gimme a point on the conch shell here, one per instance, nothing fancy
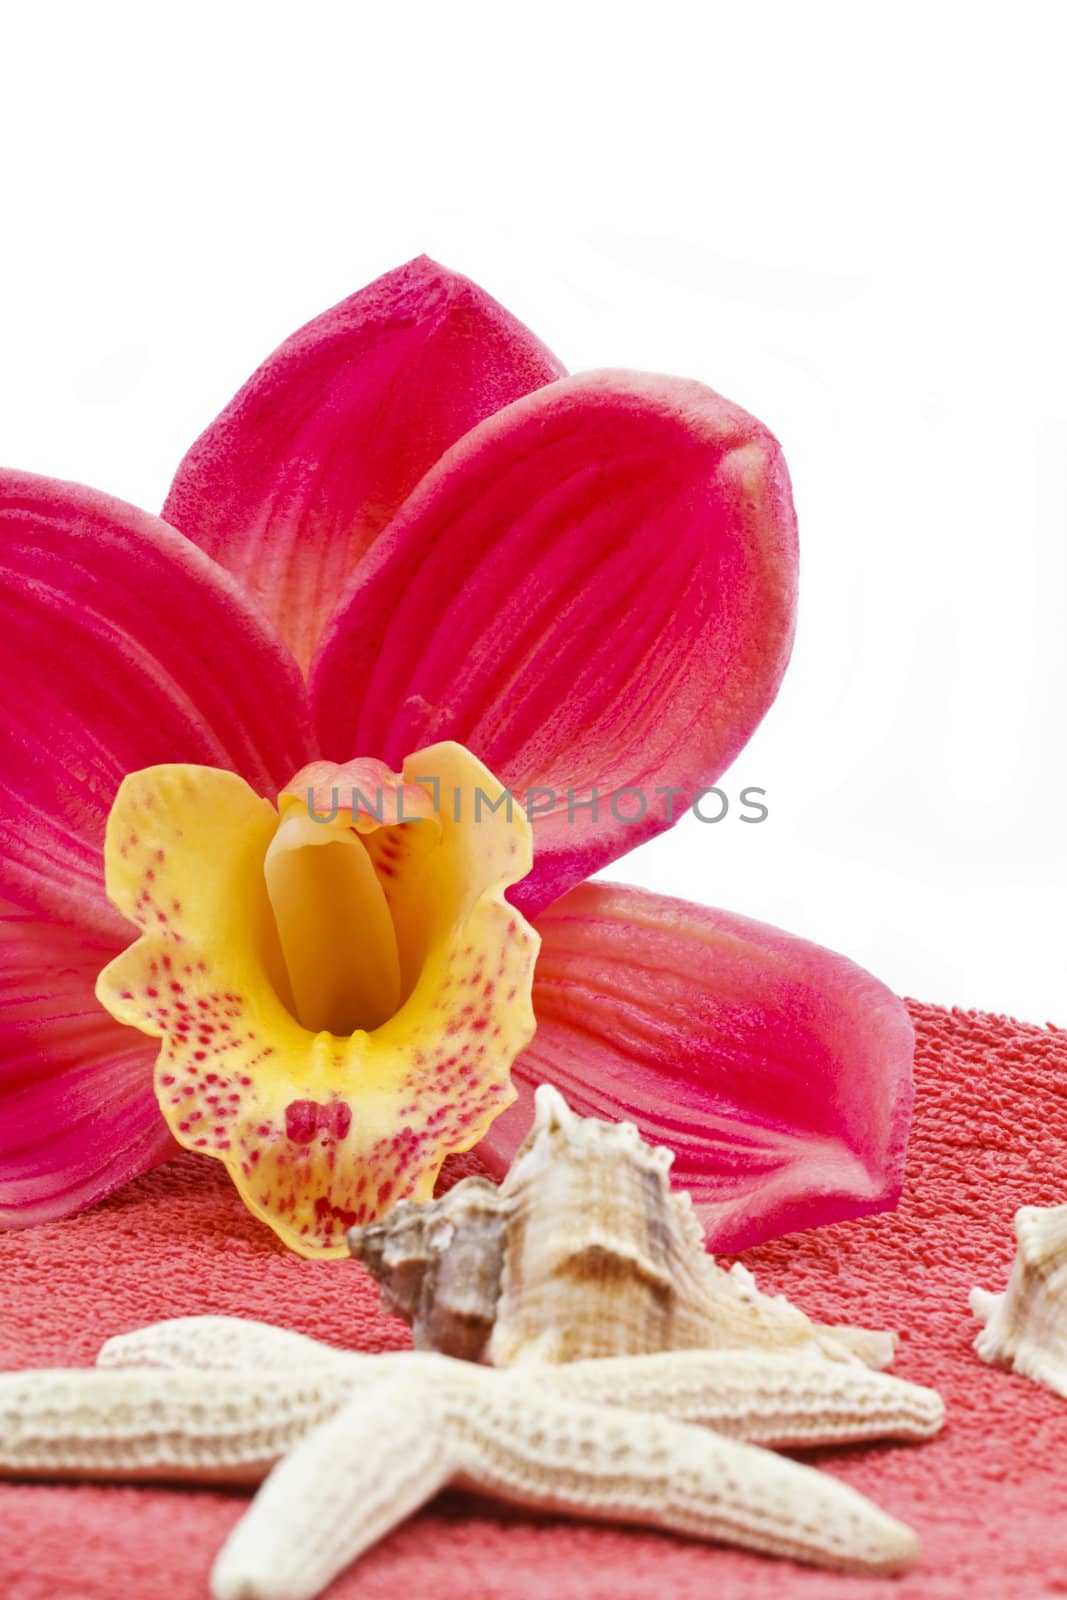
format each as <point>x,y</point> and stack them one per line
<point>582,1251</point>
<point>1026,1326</point>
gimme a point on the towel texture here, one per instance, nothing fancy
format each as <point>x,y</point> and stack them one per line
<point>988,1498</point>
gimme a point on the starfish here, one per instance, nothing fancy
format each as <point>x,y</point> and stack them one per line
<point>350,1444</point>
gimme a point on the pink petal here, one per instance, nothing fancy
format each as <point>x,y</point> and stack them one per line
<point>121,646</point>
<point>594,590</point>
<point>779,1072</point>
<point>306,465</point>
<point>78,1115</point>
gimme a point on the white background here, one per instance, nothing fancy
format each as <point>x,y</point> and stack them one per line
<point>848,219</point>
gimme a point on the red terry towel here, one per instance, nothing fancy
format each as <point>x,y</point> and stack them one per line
<point>988,1497</point>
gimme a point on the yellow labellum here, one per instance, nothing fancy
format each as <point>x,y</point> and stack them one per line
<point>340,988</point>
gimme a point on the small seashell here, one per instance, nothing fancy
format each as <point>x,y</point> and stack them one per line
<point>1026,1326</point>
<point>582,1251</point>
<point>439,1265</point>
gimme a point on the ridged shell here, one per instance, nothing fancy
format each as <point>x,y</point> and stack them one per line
<point>1026,1326</point>
<point>438,1265</point>
<point>582,1251</point>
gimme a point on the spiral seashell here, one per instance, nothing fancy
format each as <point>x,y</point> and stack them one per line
<point>582,1251</point>
<point>439,1264</point>
<point>1026,1326</point>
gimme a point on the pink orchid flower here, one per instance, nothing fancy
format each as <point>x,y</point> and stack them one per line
<point>411,544</point>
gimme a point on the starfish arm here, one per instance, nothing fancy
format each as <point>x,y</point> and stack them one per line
<point>336,1493</point>
<point>170,1425</point>
<point>220,1344</point>
<point>524,1444</point>
<point>215,1344</point>
<point>775,1399</point>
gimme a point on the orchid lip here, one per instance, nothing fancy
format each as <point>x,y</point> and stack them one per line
<point>338,1003</point>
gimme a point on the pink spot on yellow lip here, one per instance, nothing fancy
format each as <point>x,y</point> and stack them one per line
<point>301,1121</point>
<point>341,1116</point>
<point>305,1118</point>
